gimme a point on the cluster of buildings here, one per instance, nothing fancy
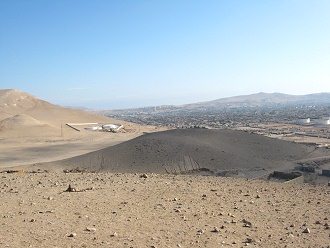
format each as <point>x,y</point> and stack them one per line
<point>114,128</point>
<point>309,121</point>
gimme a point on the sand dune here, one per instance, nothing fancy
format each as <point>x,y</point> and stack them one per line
<point>182,151</point>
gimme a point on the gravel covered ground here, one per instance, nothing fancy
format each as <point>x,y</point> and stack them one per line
<point>134,210</point>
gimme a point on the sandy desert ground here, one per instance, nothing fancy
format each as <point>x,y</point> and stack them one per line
<point>133,210</point>
<point>108,209</point>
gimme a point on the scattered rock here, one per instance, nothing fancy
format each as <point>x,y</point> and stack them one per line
<point>10,171</point>
<point>75,170</point>
<point>215,230</point>
<point>306,230</point>
<point>70,189</point>
<point>144,176</point>
<point>91,229</point>
<point>72,235</point>
<point>249,240</point>
<point>246,223</point>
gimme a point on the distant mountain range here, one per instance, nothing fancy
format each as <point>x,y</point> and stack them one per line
<point>264,99</point>
<point>254,100</point>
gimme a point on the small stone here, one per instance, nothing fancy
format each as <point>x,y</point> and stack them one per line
<point>91,229</point>
<point>50,198</point>
<point>307,230</point>
<point>317,222</point>
<point>144,176</point>
<point>215,230</point>
<point>248,240</point>
<point>72,235</point>
<point>33,220</point>
<point>200,232</point>
<point>246,223</point>
<point>114,234</point>
<point>70,189</point>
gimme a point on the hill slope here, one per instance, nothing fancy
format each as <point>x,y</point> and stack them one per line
<point>20,107</point>
<point>185,150</point>
<point>264,99</point>
<point>254,100</point>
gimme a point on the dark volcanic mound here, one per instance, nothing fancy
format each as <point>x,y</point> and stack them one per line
<point>222,152</point>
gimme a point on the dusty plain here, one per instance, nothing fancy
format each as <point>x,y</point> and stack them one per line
<point>134,210</point>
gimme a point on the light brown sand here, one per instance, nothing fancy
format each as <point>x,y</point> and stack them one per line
<point>125,210</point>
<point>34,131</point>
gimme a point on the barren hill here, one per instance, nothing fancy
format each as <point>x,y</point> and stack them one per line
<point>263,99</point>
<point>251,101</point>
<point>23,125</point>
<point>18,121</point>
<point>20,109</point>
<point>188,150</point>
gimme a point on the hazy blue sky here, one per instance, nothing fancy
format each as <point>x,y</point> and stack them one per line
<point>111,54</point>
